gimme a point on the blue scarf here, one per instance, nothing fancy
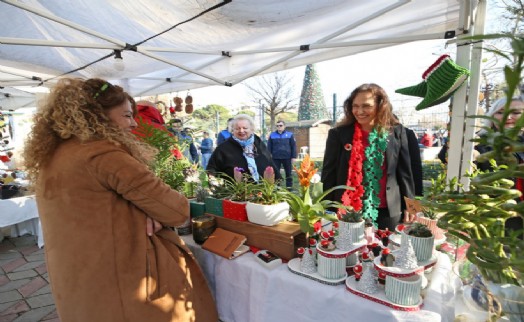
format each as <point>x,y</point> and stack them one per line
<point>249,153</point>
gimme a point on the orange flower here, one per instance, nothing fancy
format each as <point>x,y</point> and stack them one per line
<point>306,171</point>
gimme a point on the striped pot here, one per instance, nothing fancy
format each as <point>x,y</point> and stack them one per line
<point>423,246</point>
<point>354,229</point>
<point>331,265</point>
<point>352,259</point>
<point>405,290</point>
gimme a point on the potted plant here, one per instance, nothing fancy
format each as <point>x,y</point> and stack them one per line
<point>477,215</point>
<point>237,192</point>
<point>268,205</point>
<point>197,206</point>
<point>422,240</point>
<point>309,206</point>
<point>353,223</point>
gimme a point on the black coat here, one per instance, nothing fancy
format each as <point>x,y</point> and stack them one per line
<point>400,182</point>
<point>230,154</point>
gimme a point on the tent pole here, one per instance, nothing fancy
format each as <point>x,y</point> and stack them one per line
<point>460,152</point>
<point>53,43</point>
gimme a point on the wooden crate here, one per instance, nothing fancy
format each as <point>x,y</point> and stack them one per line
<point>282,239</point>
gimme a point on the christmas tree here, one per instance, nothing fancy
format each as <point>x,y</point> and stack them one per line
<point>312,105</point>
<point>406,257</point>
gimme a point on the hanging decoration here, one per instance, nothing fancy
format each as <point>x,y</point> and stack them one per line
<point>178,103</point>
<point>189,103</point>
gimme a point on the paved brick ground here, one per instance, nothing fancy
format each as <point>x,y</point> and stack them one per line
<point>25,294</point>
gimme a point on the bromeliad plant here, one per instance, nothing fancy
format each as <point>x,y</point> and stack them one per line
<point>309,206</point>
<point>267,191</point>
<point>237,188</point>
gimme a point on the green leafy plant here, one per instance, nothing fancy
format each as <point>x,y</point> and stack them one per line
<point>267,191</point>
<point>419,230</point>
<point>351,216</point>
<point>309,206</point>
<point>237,188</point>
<point>478,215</point>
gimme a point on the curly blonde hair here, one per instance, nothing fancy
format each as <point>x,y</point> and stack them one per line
<point>78,108</point>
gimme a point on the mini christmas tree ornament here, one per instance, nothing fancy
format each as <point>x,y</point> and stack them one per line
<point>406,257</point>
<point>307,264</point>
<point>368,282</point>
<point>440,81</point>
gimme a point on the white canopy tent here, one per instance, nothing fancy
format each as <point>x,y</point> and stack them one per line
<point>179,45</point>
<point>170,46</point>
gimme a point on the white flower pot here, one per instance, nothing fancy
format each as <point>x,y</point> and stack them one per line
<point>423,246</point>
<point>267,215</point>
<point>354,229</point>
<point>405,290</point>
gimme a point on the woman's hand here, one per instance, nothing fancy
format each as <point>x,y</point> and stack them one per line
<point>152,226</point>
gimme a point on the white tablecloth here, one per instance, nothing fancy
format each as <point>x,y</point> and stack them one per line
<point>245,291</point>
<point>22,214</point>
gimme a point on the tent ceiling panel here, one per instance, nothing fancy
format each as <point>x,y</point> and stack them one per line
<point>177,45</point>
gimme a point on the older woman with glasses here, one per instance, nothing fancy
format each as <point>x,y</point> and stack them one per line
<point>369,150</point>
<point>244,149</point>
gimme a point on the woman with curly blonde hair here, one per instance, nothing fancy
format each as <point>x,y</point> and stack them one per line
<point>103,211</point>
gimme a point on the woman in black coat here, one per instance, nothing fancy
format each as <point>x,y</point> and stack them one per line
<point>369,150</point>
<point>243,149</point>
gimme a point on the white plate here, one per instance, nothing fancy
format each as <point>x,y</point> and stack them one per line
<point>401,272</point>
<point>380,297</point>
<point>294,266</point>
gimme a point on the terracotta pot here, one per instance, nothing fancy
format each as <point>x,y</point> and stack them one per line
<point>432,225</point>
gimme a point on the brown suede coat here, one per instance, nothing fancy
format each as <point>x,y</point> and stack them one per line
<point>93,199</point>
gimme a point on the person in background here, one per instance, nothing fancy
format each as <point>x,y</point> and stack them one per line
<point>427,139</point>
<point>206,148</point>
<point>226,133</point>
<point>103,213</point>
<point>243,149</point>
<point>283,149</point>
<point>369,150</point>
<point>185,140</point>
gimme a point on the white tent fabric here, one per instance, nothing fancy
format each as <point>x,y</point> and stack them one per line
<point>42,40</point>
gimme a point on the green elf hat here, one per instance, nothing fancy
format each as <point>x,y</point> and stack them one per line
<point>441,80</point>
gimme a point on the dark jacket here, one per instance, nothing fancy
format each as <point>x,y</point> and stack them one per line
<point>206,146</point>
<point>230,154</point>
<point>400,181</point>
<point>416,162</point>
<point>282,145</point>
<point>223,136</point>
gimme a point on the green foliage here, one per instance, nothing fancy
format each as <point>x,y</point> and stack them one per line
<point>431,169</point>
<point>309,210</point>
<point>478,215</point>
<point>351,216</point>
<point>417,229</point>
<point>267,193</point>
